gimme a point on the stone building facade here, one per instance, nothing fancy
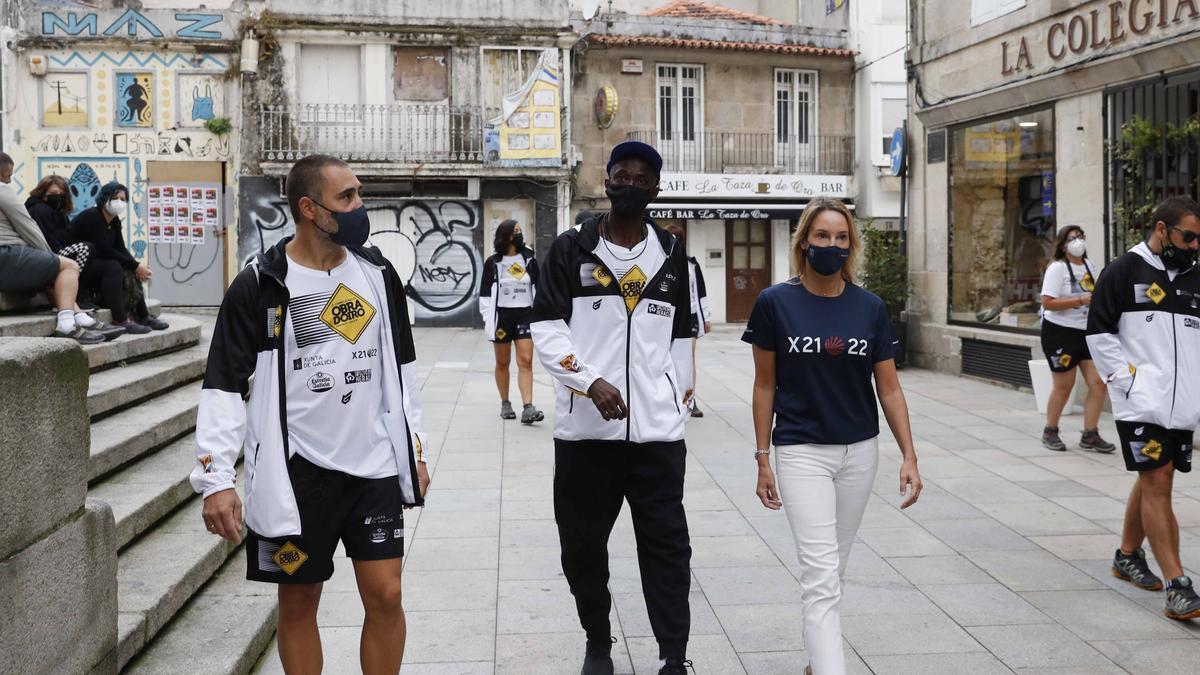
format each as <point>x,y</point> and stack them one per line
<point>1021,119</point>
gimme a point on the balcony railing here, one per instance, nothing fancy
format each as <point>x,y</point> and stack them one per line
<point>402,133</point>
<point>751,152</point>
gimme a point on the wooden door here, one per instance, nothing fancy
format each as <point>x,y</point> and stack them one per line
<point>748,269</point>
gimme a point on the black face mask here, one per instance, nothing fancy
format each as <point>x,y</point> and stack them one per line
<point>56,202</point>
<point>628,201</point>
<point>1179,259</point>
<point>518,241</point>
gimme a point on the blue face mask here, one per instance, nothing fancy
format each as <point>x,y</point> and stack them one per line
<point>827,260</point>
<point>353,226</point>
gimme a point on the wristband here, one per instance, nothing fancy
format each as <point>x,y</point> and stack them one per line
<point>761,452</point>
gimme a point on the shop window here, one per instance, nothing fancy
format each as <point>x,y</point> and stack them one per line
<point>983,11</point>
<point>1002,218</point>
<point>891,114</point>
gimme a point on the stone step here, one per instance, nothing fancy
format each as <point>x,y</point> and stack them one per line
<point>184,332</point>
<point>145,491</point>
<point>160,572</point>
<point>125,436</point>
<point>39,321</point>
<point>121,386</point>
<point>225,628</point>
<point>10,302</point>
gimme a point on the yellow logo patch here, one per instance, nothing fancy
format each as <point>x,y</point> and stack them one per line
<point>517,271</point>
<point>1087,283</point>
<point>1064,360</point>
<point>347,313</point>
<point>289,558</point>
<point>1156,293</point>
<point>501,333</point>
<point>601,275</point>
<point>632,285</point>
<point>1153,450</point>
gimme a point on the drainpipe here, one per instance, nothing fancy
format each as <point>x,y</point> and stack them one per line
<point>565,42</point>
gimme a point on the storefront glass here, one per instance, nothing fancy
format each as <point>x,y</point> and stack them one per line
<point>1002,218</point>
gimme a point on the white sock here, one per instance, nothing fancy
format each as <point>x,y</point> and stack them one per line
<point>84,320</point>
<point>66,321</point>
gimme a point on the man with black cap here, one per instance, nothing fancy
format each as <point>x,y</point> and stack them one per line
<point>612,325</point>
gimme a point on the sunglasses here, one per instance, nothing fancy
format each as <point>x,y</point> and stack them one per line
<point>1187,236</point>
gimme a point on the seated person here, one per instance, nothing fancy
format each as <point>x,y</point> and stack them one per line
<point>27,265</point>
<point>101,227</point>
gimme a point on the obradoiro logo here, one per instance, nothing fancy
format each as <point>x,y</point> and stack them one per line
<point>347,313</point>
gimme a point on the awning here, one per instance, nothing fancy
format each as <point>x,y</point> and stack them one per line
<point>727,210</point>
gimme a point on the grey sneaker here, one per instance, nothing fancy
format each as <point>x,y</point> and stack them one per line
<point>597,660</point>
<point>531,414</point>
<point>80,335</point>
<point>506,411</point>
<point>1182,601</point>
<point>1051,440</point>
<point>1090,440</point>
<point>109,332</point>
<point>1134,569</point>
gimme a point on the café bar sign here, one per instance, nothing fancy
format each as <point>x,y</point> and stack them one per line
<point>1084,33</point>
<point>751,186</point>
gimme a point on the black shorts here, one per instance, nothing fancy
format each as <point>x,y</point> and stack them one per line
<point>366,514</point>
<point>1149,446</point>
<point>1064,347</point>
<point>512,323</point>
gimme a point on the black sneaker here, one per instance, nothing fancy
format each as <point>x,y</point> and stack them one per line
<point>506,411</point>
<point>80,335</point>
<point>672,666</point>
<point>531,414</point>
<point>1134,569</point>
<point>134,328</point>
<point>1051,440</point>
<point>1090,440</point>
<point>1182,601</point>
<point>109,332</point>
<point>153,322</point>
<point>597,660</point>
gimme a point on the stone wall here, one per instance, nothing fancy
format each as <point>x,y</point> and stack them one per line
<point>58,553</point>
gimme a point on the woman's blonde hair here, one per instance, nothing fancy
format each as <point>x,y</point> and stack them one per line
<point>811,211</point>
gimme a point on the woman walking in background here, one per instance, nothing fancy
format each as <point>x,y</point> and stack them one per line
<point>701,321</point>
<point>1066,295</point>
<point>510,278</point>
<point>818,341</point>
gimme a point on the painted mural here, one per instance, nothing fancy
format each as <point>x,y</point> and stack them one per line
<point>65,101</point>
<point>102,114</point>
<point>432,243</point>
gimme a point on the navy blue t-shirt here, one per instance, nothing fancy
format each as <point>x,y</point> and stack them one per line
<point>825,353</point>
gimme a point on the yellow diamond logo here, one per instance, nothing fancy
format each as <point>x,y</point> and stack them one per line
<point>632,285</point>
<point>1064,360</point>
<point>501,334</point>
<point>600,274</point>
<point>1086,283</point>
<point>1156,293</point>
<point>289,558</point>
<point>1153,450</point>
<point>347,313</point>
<point>517,271</point>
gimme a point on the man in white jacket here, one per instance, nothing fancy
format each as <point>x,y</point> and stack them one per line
<point>334,445</point>
<point>611,324</point>
<point>1144,337</point>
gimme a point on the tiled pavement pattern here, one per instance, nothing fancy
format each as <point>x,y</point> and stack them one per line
<point>1003,566</point>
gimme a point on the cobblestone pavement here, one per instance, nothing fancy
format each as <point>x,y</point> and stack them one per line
<point>1003,566</point>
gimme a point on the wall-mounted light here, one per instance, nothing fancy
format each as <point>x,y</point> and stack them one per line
<point>249,62</point>
<point>1027,125</point>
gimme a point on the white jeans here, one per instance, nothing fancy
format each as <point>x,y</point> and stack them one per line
<point>824,489</point>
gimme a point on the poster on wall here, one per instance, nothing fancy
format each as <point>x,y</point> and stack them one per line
<point>85,176</point>
<point>64,100</point>
<point>135,100</point>
<point>528,131</point>
<point>201,97</point>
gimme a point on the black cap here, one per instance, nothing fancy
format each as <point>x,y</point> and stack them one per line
<point>627,149</point>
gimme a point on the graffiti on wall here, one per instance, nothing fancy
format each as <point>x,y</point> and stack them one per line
<point>134,24</point>
<point>201,97</point>
<point>430,242</point>
<point>64,100</point>
<point>151,145</point>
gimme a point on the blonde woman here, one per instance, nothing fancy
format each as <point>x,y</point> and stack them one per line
<point>818,341</point>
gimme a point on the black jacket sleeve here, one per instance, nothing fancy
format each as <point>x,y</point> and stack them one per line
<point>489,277</point>
<point>1104,315</point>
<point>405,346</point>
<point>532,267</point>
<point>701,289</point>
<point>683,295</point>
<point>51,222</point>
<point>233,354</point>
